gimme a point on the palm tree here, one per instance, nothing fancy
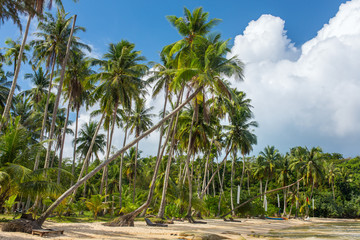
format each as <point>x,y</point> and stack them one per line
<point>50,47</point>
<point>40,80</point>
<point>271,157</point>
<point>140,119</point>
<point>4,87</point>
<point>77,86</point>
<point>284,175</point>
<point>39,6</point>
<point>11,9</point>
<point>13,51</point>
<point>120,74</point>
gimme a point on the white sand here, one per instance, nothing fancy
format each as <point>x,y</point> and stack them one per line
<point>248,228</point>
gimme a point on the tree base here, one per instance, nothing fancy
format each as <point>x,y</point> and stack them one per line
<point>21,225</point>
<point>123,221</point>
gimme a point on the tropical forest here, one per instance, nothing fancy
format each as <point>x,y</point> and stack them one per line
<point>205,166</point>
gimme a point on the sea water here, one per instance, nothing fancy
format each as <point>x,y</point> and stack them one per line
<point>347,230</point>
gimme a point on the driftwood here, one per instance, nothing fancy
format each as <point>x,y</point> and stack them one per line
<point>260,195</point>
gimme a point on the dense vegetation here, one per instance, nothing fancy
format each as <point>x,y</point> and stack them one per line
<point>206,133</point>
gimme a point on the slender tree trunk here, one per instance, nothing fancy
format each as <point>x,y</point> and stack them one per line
<point>248,183</point>
<point>214,173</point>
<point>63,142</point>
<point>129,218</point>
<point>285,202</point>
<point>187,165</point>
<point>121,167</point>
<point>103,176</point>
<point>74,154</point>
<point>135,169</point>
<point>89,152</point>
<point>297,200</point>
<point>221,188</point>
<point>5,114</point>
<point>333,189</point>
<point>242,172</point>
<point>232,182</point>
<point>168,165</point>
<point>206,167</point>
<point>43,125</point>
<point>261,187</point>
<point>59,94</point>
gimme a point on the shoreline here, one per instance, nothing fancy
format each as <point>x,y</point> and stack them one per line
<point>246,229</point>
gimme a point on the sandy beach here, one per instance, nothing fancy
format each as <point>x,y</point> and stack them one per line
<point>246,229</point>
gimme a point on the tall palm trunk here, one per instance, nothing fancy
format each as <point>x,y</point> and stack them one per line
<point>43,125</point>
<point>135,169</point>
<point>106,167</point>
<point>168,165</point>
<point>242,172</point>
<point>221,188</point>
<point>59,94</point>
<point>129,218</point>
<point>63,141</point>
<point>187,164</point>
<point>232,181</point>
<point>214,173</point>
<point>285,202</point>
<point>5,114</point>
<point>74,154</point>
<point>206,171</point>
<point>121,167</point>
<point>333,189</point>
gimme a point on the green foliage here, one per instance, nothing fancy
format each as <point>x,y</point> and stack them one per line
<point>10,203</point>
<point>95,204</point>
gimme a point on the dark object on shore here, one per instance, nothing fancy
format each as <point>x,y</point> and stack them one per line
<point>191,220</point>
<point>21,225</point>
<point>276,218</point>
<point>149,223</point>
<point>231,220</point>
<point>43,232</point>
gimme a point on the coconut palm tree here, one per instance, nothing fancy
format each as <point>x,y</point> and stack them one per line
<point>38,9</point>
<point>12,52</point>
<point>120,74</point>
<point>40,80</point>
<point>4,87</point>
<point>270,157</point>
<point>11,9</point>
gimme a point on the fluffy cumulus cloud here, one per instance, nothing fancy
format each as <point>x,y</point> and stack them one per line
<point>308,96</point>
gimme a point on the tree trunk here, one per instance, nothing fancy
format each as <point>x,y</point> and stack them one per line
<point>168,165</point>
<point>120,171</point>
<point>221,188</point>
<point>333,189</point>
<point>214,173</point>
<point>74,154</point>
<point>242,172</point>
<point>5,114</point>
<point>59,94</point>
<point>63,142</point>
<point>43,126</point>
<point>128,219</point>
<point>135,169</point>
<point>232,182</point>
<point>187,165</point>
<point>285,202</point>
<point>206,167</point>
<point>103,176</point>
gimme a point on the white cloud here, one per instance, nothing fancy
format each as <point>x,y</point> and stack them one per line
<point>308,96</point>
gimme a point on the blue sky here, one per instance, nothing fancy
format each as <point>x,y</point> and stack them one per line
<point>299,69</point>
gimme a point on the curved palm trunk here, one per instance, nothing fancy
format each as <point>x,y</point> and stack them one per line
<point>43,126</point>
<point>129,218</point>
<point>5,114</point>
<point>59,94</point>
<point>63,141</point>
<point>74,154</point>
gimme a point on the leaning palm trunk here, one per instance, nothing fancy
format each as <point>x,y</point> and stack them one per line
<point>59,94</point>
<point>63,141</point>
<point>74,154</point>
<point>16,74</point>
<point>128,219</point>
